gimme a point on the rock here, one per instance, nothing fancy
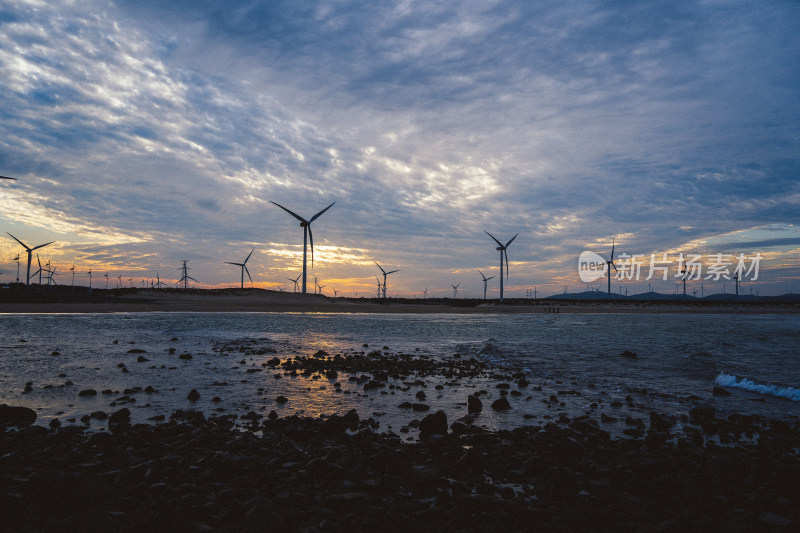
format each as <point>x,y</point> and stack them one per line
<point>136,350</point>
<point>55,423</point>
<point>123,416</point>
<point>193,395</point>
<point>185,356</point>
<point>420,407</point>
<point>142,359</point>
<point>88,392</point>
<point>474,404</point>
<point>281,399</point>
<point>150,390</point>
<point>629,354</point>
<point>420,395</point>
<point>99,415</point>
<point>719,391</point>
<point>433,424</point>
<point>16,416</point>
<point>659,422</point>
<point>272,415</point>
<point>405,405</point>
<point>501,405</point>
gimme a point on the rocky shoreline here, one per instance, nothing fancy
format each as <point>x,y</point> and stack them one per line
<point>194,473</point>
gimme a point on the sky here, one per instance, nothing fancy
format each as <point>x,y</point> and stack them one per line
<point>143,133</point>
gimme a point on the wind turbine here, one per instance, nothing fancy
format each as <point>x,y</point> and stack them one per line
<point>159,283</point>
<point>72,268</point>
<point>609,264</point>
<point>307,236</point>
<point>503,253</point>
<point>384,276</point>
<point>17,260</point>
<point>378,295</point>
<point>30,253</point>
<point>185,277</point>
<point>295,281</point>
<point>485,282</point>
<point>106,275</point>
<point>243,265</point>
<point>90,279</point>
<point>335,292</point>
<point>455,289</point>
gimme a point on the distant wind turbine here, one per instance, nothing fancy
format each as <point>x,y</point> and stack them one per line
<point>295,281</point>
<point>90,279</point>
<point>185,277</point>
<point>159,283</point>
<point>17,260</point>
<point>503,253</point>
<point>243,265</point>
<point>455,289</point>
<point>609,264</point>
<point>485,282</point>
<point>30,255</point>
<point>307,236</point>
<point>384,276</point>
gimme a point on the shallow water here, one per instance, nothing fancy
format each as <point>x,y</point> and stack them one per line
<point>575,357</point>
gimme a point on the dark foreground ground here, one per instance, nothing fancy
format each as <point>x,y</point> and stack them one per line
<point>293,474</point>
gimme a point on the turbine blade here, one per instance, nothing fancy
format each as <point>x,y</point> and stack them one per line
<point>481,273</point>
<point>612,251</point>
<point>504,252</point>
<point>7,178</point>
<point>42,245</point>
<point>392,272</point>
<point>382,270</point>
<point>315,217</point>
<point>19,241</point>
<point>248,255</point>
<point>512,240</point>
<point>500,244</point>
<point>295,215</point>
<point>615,267</point>
<point>487,279</point>
<point>248,273</point>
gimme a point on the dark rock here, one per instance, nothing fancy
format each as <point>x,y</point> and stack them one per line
<point>99,415</point>
<point>55,423</point>
<point>659,422</point>
<point>136,350</point>
<point>719,391</point>
<point>142,359</point>
<point>150,390</point>
<point>420,407</point>
<point>629,354</point>
<point>405,405</point>
<point>16,416</point>
<point>193,395</point>
<point>501,405</point>
<point>88,392</point>
<point>123,416</point>
<point>474,404</point>
<point>433,424</point>
<point>185,356</point>
<point>281,399</point>
<point>272,415</point>
<point>420,395</point>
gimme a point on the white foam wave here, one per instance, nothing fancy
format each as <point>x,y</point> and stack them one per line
<point>729,380</point>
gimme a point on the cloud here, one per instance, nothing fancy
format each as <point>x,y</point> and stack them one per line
<point>163,127</point>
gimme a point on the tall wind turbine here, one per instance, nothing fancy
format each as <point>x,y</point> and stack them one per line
<point>384,276</point>
<point>503,253</point>
<point>185,277</point>
<point>243,265</point>
<point>30,254</point>
<point>295,281</point>
<point>307,236</point>
<point>455,289</point>
<point>609,264</point>
<point>485,282</point>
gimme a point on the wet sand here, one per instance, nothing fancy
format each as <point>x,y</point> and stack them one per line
<point>63,300</point>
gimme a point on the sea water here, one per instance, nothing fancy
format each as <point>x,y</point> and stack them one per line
<point>575,359</point>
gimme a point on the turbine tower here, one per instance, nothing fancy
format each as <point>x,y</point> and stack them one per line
<point>307,236</point>
<point>503,253</point>
<point>384,276</point>
<point>30,254</point>
<point>485,282</point>
<point>609,264</point>
<point>455,289</point>
<point>243,265</point>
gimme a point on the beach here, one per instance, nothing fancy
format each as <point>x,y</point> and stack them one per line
<point>313,420</point>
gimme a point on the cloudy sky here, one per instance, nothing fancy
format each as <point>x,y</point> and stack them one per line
<point>144,133</point>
